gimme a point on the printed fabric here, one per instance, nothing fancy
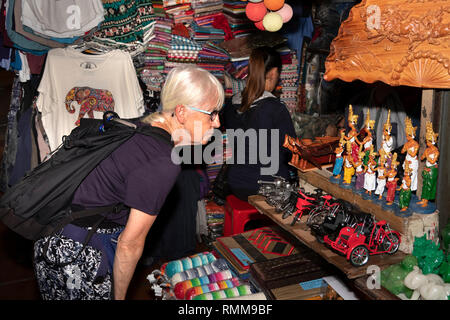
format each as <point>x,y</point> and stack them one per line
<point>125,20</point>
<point>87,277</point>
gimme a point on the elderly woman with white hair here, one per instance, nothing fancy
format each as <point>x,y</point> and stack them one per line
<point>139,174</point>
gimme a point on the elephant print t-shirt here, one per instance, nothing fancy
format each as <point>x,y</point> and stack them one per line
<point>75,85</point>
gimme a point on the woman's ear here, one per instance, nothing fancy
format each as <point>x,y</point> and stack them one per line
<point>180,113</point>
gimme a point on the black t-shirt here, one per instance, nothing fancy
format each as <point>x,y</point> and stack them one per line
<point>139,174</point>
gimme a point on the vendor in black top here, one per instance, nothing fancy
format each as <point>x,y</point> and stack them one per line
<point>264,121</point>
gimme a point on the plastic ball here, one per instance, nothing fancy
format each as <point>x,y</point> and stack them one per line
<point>286,12</point>
<point>260,25</point>
<point>272,22</point>
<point>274,5</point>
<point>255,11</point>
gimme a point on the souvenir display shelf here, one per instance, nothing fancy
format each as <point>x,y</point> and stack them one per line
<point>303,234</point>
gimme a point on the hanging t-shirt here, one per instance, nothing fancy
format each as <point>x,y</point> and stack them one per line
<point>76,85</point>
<point>62,18</point>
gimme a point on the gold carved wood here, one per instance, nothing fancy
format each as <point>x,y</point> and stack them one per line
<point>399,42</point>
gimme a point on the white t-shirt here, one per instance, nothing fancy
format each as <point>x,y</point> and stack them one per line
<point>62,18</point>
<point>87,85</point>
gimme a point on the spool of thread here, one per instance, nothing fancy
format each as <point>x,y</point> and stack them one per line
<point>220,285</point>
<point>190,262</point>
<point>238,291</point>
<point>182,287</point>
<point>213,267</point>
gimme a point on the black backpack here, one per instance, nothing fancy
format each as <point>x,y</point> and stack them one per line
<point>40,203</point>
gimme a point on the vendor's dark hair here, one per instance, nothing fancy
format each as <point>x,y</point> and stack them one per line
<point>262,60</point>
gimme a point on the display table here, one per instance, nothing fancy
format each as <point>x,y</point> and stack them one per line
<point>303,234</point>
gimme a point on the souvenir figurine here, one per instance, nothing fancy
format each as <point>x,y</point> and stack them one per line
<point>349,169</point>
<point>359,172</point>
<point>388,142</point>
<point>369,177</point>
<point>405,188</point>
<point>381,171</point>
<point>368,140</point>
<point>391,183</point>
<point>429,173</point>
<point>353,134</point>
<point>411,147</point>
<point>339,158</point>
<point>290,144</point>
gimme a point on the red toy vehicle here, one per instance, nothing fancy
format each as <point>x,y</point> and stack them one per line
<point>367,238</point>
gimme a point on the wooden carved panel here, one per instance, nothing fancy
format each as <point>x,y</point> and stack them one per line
<point>399,42</point>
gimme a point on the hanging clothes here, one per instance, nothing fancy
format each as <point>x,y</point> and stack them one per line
<point>89,86</point>
<point>173,235</point>
<point>62,18</point>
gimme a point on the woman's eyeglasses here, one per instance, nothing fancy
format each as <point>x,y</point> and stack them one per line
<point>212,114</point>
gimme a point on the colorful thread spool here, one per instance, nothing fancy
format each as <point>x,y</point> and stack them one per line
<point>182,287</point>
<point>238,291</point>
<point>190,262</point>
<point>220,285</point>
<point>213,267</point>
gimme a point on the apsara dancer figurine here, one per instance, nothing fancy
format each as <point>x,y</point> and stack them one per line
<point>381,178</point>
<point>388,142</point>
<point>370,177</point>
<point>405,188</point>
<point>359,172</point>
<point>339,158</point>
<point>429,173</point>
<point>349,169</point>
<point>353,134</point>
<point>391,183</point>
<point>411,147</point>
<point>368,140</point>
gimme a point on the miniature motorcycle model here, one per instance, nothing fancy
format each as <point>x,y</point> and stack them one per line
<point>277,192</point>
<point>365,239</point>
<point>330,218</point>
<point>303,205</point>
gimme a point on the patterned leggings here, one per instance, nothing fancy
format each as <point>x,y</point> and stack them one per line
<point>87,277</point>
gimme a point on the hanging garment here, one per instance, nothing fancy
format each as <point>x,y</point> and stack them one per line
<point>20,41</point>
<point>76,85</point>
<point>62,18</point>
<point>173,235</point>
<point>125,21</point>
<point>10,148</point>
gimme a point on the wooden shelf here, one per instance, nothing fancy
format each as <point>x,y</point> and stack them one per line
<point>303,234</point>
<point>320,179</point>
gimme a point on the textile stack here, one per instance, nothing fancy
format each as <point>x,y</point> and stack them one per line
<point>234,12</point>
<point>182,51</point>
<point>179,11</point>
<point>237,69</point>
<point>206,10</point>
<point>154,58</point>
<point>158,8</point>
<point>206,33</point>
<point>215,216</point>
<point>289,78</point>
<point>213,58</point>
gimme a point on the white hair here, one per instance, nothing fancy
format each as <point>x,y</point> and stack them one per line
<point>189,86</point>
